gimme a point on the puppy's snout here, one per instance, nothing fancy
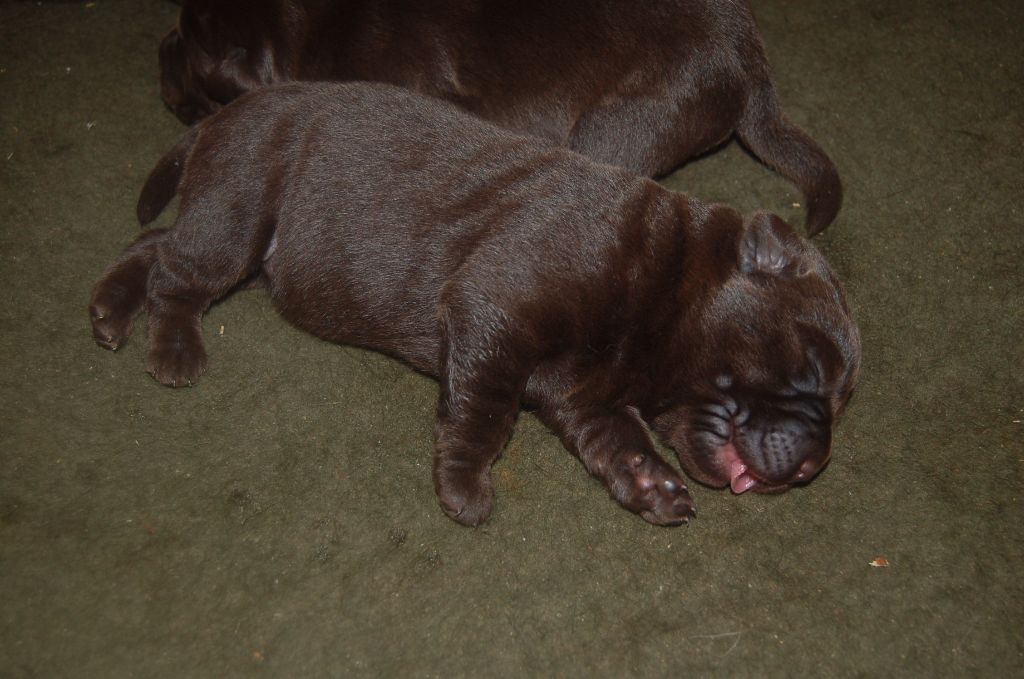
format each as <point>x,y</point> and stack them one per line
<point>785,450</point>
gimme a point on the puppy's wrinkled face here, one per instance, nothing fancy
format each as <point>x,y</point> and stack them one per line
<point>209,59</point>
<point>180,89</point>
<point>773,359</point>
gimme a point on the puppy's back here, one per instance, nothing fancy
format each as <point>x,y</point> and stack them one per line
<point>377,197</point>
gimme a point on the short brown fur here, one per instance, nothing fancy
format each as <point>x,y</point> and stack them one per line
<point>642,85</point>
<point>517,274</point>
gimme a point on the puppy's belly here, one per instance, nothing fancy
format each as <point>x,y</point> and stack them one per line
<point>359,303</point>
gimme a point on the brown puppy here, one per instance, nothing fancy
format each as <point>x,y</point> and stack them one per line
<point>643,85</point>
<point>517,274</point>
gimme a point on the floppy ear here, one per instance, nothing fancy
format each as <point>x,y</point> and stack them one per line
<point>767,245</point>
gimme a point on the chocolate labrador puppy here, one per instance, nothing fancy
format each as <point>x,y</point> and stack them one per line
<point>516,273</point>
<point>642,85</point>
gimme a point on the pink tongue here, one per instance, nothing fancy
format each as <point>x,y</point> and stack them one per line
<point>740,480</point>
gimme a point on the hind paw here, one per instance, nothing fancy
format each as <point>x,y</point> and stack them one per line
<point>177,359</point>
<point>112,316</point>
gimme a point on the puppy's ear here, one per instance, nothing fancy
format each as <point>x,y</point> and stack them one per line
<point>768,245</point>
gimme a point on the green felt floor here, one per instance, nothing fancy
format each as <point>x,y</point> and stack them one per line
<point>279,518</point>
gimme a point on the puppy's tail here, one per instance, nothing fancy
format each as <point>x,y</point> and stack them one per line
<point>162,182</point>
<point>780,144</point>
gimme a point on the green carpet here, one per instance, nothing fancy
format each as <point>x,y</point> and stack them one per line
<point>279,518</point>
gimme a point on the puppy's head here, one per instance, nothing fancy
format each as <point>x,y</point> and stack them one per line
<point>218,51</point>
<point>769,359</point>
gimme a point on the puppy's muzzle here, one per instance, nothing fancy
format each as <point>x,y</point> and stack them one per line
<point>771,452</point>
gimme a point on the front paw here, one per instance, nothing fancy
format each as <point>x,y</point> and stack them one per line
<point>647,485</point>
<point>176,358</point>
<point>466,493</point>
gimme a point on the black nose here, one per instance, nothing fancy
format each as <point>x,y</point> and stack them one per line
<point>783,450</point>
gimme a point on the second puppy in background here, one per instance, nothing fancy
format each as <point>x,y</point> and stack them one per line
<point>642,85</point>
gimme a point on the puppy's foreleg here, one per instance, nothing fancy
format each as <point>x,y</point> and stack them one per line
<point>484,367</point>
<point>616,447</point>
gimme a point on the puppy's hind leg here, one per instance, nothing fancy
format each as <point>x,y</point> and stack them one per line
<point>118,296</point>
<point>214,246</point>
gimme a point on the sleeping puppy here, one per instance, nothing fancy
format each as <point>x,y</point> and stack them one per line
<point>642,85</point>
<point>518,274</point>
